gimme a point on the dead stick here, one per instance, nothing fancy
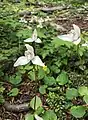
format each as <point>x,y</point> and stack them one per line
<point>16,107</point>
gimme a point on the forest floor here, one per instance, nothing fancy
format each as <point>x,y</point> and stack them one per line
<point>65,18</point>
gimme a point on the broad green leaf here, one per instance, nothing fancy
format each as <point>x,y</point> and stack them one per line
<point>36,103</point>
<point>38,117</point>
<point>55,69</point>
<point>49,81</point>
<point>42,89</point>
<point>27,67</point>
<point>14,92</point>
<point>83,90</point>
<point>2,89</point>
<point>39,110</point>
<point>15,79</point>
<point>41,73</point>
<point>50,115</point>
<point>81,50</point>
<point>58,42</point>
<point>78,111</point>
<point>31,75</point>
<point>62,79</point>
<point>29,117</point>
<point>85,98</point>
<point>71,93</point>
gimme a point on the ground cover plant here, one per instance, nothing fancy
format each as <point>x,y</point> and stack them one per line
<point>43,60</point>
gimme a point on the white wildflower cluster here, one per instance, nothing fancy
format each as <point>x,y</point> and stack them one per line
<point>73,36</point>
<point>29,55</point>
<point>36,19</point>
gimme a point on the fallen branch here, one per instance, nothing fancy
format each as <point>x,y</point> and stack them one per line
<point>16,107</point>
<point>51,9</point>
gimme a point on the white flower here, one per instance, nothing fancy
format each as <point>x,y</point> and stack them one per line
<point>29,56</point>
<point>22,20</point>
<point>73,36</point>
<point>37,117</point>
<point>34,38</point>
<point>85,44</point>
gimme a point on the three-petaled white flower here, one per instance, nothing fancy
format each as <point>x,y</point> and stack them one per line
<point>37,117</point>
<point>73,36</point>
<point>34,38</point>
<point>29,56</point>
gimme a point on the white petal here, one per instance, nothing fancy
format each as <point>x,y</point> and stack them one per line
<point>29,55</point>
<point>77,41</point>
<point>29,48</point>
<point>67,37</point>
<point>34,35</point>
<point>37,61</point>
<point>37,117</point>
<point>38,41</point>
<point>76,31</point>
<point>85,44</point>
<point>29,40</point>
<point>21,61</point>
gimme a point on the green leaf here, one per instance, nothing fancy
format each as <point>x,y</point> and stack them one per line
<point>78,111</point>
<point>41,74</point>
<point>58,42</point>
<point>81,50</point>
<point>29,117</point>
<point>31,75</point>
<point>83,90</point>
<point>71,93</point>
<point>2,89</point>
<point>14,92</point>
<point>27,67</point>
<point>39,110</point>
<point>25,33</point>
<point>50,115</point>
<point>15,79</point>
<point>2,100</point>
<point>42,89</point>
<point>85,98</point>
<point>49,81</point>
<point>62,79</point>
<point>36,103</point>
<point>55,69</point>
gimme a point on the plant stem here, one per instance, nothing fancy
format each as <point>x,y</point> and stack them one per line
<point>35,87</point>
<point>78,53</point>
<point>34,46</point>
